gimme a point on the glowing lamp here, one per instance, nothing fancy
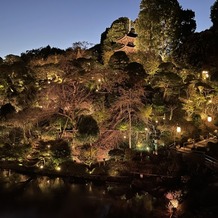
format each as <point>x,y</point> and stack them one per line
<point>205,74</point>
<point>174,203</point>
<point>209,118</point>
<point>178,129</point>
<point>147,148</point>
<point>58,168</point>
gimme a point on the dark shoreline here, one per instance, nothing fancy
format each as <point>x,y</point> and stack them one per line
<point>33,171</point>
<point>154,185</point>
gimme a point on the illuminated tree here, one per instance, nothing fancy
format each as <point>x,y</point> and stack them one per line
<point>156,25</point>
<point>198,100</point>
<point>159,26</point>
<point>169,82</point>
<point>106,83</point>
<point>148,59</point>
<point>126,107</point>
<point>17,83</point>
<point>118,29</point>
<point>74,100</point>
<point>25,120</point>
<point>119,95</point>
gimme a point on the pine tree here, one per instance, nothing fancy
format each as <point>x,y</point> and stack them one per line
<point>118,29</point>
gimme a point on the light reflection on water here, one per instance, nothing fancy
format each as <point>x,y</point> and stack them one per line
<point>44,197</point>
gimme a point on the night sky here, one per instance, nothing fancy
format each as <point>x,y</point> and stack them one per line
<point>31,24</point>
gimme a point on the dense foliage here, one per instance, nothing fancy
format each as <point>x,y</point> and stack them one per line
<point>162,26</point>
<point>71,100</point>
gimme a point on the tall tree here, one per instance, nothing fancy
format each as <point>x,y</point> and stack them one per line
<point>214,14</point>
<point>127,106</point>
<point>159,26</point>
<point>156,25</point>
<point>187,25</point>
<point>198,52</point>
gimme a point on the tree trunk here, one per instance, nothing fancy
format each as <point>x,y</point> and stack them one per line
<point>130,127</point>
<point>137,137</point>
<point>171,114</point>
<point>24,134</point>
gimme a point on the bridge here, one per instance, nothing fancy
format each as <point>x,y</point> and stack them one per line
<point>200,148</point>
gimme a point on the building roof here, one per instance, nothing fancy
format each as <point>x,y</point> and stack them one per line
<point>127,49</point>
<point>126,39</point>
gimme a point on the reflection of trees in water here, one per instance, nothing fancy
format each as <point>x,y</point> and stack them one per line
<point>43,185</point>
<point>57,198</point>
<point>8,176</point>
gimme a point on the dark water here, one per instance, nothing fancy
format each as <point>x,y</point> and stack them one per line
<point>43,197</point>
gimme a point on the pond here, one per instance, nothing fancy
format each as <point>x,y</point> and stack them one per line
<point>44,197</point>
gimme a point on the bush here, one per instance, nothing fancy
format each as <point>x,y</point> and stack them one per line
<point>87,126</point>
<point>60,149</point>
<point>8,151</point>
<point>116,154</point>
<point>15,136</point>
<point>129,154</point>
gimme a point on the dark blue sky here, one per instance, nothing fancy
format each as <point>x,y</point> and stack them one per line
<point>31,24</point>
